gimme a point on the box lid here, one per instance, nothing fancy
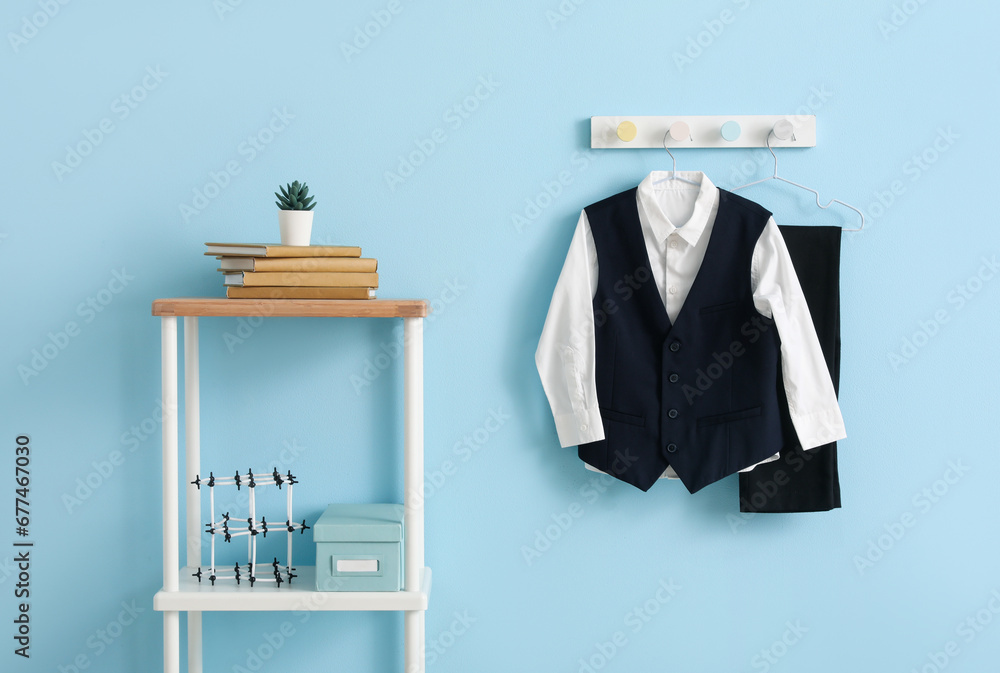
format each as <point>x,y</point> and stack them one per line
<point>360,523</point>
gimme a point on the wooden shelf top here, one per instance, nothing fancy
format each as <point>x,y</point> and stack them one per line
<point>291,308</point>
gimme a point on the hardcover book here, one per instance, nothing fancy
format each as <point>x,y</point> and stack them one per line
<point>304,279</point>
<point>274,250</point>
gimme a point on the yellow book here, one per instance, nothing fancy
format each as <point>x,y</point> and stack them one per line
<point>343,264</point>
<point>300,292</point>
<point>304,279</point>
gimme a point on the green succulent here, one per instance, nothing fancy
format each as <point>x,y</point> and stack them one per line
<point>295,197</point>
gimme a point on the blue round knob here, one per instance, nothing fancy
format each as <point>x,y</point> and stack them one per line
<point>731,131</point>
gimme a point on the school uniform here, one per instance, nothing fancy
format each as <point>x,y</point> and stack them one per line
<point>676,314</point>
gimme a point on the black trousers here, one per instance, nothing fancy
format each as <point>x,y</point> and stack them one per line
<point>805,481</point>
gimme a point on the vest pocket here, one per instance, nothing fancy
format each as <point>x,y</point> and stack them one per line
<point>719,307</point>
<point>612,415</point>
<point>729,417</point>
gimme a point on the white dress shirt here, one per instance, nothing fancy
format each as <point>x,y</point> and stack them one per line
<point>677,221</point>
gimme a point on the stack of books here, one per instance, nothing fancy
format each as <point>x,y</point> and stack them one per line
<point>260,271</point>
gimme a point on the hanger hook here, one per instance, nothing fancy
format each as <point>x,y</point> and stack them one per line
<point>771,150</point>
<point>672,157</point>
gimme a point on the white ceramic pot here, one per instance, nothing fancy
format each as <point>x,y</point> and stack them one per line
<point>296,226</point>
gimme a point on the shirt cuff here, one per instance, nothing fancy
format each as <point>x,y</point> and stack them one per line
<point>579,428</point>
<point>819,427</point>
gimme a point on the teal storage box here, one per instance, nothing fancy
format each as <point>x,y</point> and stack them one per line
<point>359,548</point>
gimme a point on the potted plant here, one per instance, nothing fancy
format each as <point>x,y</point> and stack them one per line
<point>295,217</point>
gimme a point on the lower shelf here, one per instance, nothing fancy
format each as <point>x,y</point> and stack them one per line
<point>226,595</point>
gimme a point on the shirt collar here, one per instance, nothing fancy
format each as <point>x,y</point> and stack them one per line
<point>706,203</point>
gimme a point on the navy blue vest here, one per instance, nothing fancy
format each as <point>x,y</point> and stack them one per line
<point>700,394</point>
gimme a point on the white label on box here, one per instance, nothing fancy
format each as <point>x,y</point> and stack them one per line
<point>357,565</point>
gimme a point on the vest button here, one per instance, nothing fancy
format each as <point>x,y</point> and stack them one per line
<point>671,448</point>
<point>674,378</point>
<point>675,346</point>
<point>672,413</point>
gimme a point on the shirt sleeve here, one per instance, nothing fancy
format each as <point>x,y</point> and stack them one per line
<point>566,352</point>
<point>812,400</point>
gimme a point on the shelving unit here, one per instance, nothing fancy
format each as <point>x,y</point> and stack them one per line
<point>183,593</point>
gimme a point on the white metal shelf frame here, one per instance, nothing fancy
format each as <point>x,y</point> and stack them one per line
<point>179,594</point>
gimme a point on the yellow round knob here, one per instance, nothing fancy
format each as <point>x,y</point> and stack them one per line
<point>626,132</point>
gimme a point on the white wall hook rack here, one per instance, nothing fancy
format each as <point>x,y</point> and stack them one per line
<point>712,131</point>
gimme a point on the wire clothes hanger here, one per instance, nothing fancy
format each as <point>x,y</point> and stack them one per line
<point>682,129</point>
<point>795,184</point>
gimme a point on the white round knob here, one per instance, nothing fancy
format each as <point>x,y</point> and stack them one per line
<point>783,130</point>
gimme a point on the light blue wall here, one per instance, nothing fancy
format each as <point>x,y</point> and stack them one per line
<point>882,94</point>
